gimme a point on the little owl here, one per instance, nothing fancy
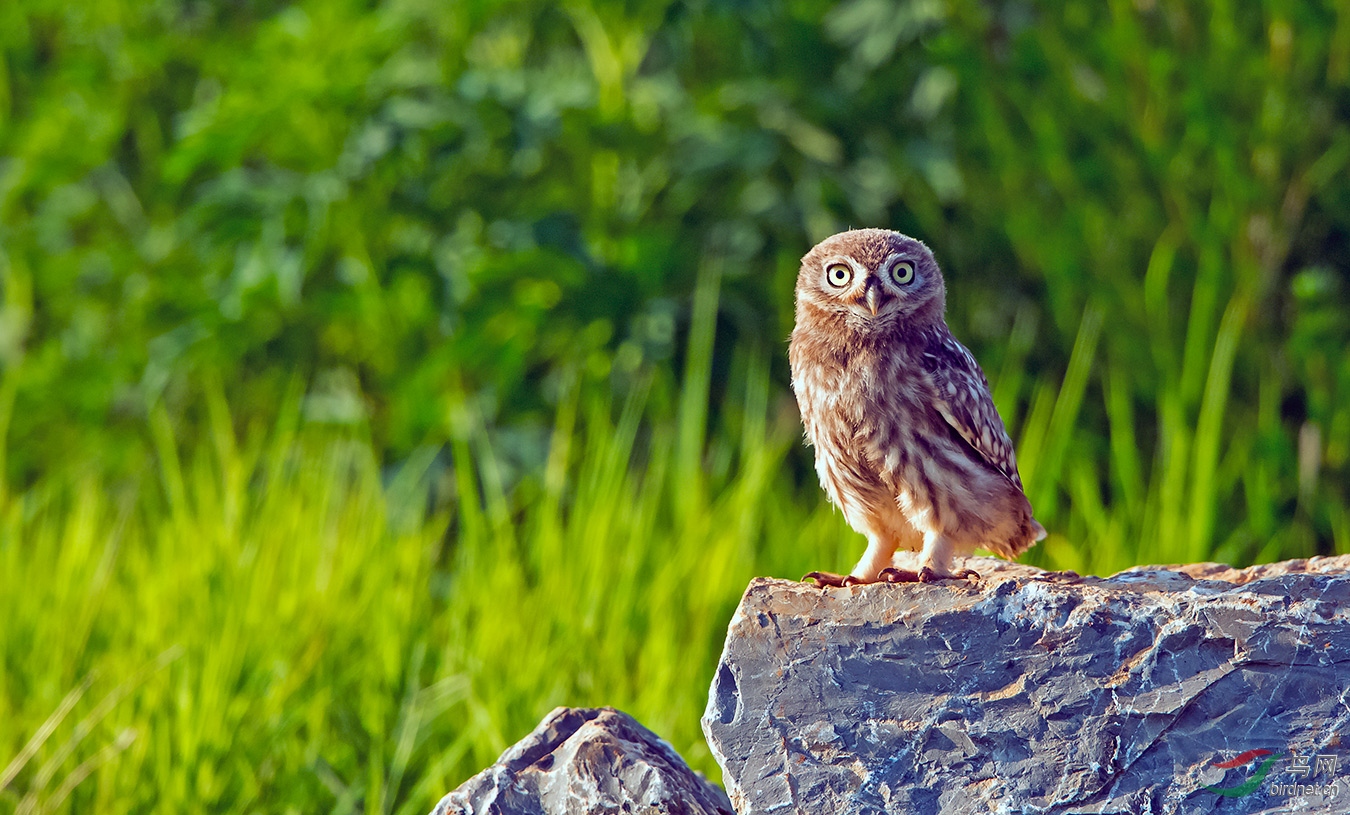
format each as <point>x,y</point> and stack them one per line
<point>908,442</point>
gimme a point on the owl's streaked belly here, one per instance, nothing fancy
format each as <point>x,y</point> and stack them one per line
<point>879,447</point>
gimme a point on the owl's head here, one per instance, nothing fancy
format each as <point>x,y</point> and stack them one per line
<point>873,278</point>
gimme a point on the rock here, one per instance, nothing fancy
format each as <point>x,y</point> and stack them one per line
<point>1027,692</point>
<point>587,760</point>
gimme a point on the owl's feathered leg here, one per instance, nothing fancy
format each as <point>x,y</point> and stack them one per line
<point>880,548</point>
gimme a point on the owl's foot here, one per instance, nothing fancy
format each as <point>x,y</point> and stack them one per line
<point>824,579</point>
<point>924,575</point>
<point>927,575</point>
<point>888,575</point>
<point>894,575</point>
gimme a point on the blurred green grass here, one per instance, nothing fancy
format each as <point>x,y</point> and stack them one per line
<point>375,377</point>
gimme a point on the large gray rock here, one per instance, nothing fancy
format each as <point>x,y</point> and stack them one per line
<point>587,760</point>
<point>1027,693</point>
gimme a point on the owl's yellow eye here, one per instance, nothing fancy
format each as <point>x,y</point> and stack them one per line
<point>839,274</point>
<point>902,272</point>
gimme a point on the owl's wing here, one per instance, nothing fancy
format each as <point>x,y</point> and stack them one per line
<point>963,399</point>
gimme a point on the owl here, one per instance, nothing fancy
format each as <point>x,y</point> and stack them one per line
<point>907,441</point>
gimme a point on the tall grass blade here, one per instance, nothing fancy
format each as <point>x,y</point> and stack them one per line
<point>1209,427</point>
<point>693,405</point>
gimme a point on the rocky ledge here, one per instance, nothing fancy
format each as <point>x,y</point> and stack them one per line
<point>587,760</point>
<point>1165,689</point>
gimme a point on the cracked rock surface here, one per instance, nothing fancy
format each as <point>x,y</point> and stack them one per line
<point>1027,693</point>
<point>587,760</point>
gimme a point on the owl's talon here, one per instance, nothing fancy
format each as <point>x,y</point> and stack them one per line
<point>894,575</point>
<point>965,574</point>
<point>824,579</point>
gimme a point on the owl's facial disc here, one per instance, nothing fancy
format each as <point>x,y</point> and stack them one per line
<point>874,279</point>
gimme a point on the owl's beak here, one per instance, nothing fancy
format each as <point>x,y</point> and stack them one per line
<point>875,297</point>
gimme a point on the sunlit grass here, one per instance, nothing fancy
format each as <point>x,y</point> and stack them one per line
<point>272,625</point>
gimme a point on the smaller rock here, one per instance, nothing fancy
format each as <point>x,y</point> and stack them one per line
<point>587,760</point>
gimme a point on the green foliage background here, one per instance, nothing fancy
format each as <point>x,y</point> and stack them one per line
<point>376,376</point>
